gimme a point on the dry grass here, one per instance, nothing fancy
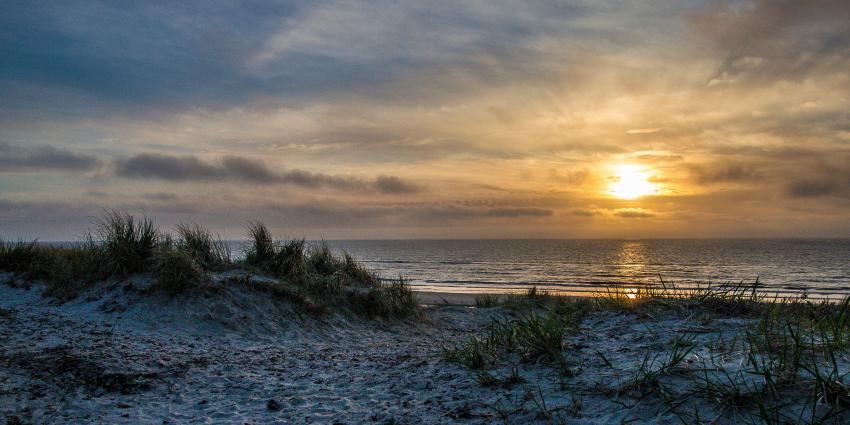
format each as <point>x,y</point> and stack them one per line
<point>122,245</point>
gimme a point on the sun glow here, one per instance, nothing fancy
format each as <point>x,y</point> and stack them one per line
<point>631,182</point>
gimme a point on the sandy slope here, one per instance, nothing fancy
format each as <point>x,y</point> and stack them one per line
<point>124,360</point>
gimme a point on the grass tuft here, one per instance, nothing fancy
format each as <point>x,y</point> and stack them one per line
<point>487,301</point>
<point>176,272</point>
<point>128,243</point>
<point>18,257</point>
<point>391,298</point>
<point>262,251</point>
<point>198,243</point>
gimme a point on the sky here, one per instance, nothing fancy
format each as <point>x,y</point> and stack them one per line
<point>434,119</point>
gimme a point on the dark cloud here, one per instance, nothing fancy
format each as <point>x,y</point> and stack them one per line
<point>308,179</point>
<point>821,179</point>
<point>732,173</point>
<point>44,158</point>
<point>518,212</point>
<point>780,38</point>
<point>235,168</point>
<point>248,169</point>
<point>170,168</point>
<point>391,184</point>
<point>583,213</point>
<point>816,188</point>
<point>633,213</point>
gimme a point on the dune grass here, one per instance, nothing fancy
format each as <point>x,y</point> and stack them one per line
<point>789,365</point>
<point>128,244</point>
<point>536,335</point>
<point>121,245</point>
<point>329,279</point>
<point>18,257</point>
<point>210,253</point>
<point>176,272</point>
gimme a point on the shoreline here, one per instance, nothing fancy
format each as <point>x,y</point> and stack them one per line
<point>426,297</point>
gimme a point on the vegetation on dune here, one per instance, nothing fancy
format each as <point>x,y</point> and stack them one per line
<point>128,244</point>
<point>176,272</point>
<point>198,243</point>
<point>122,245</point>
<point>537,334</point>
<point>788,362</point>
<point>328,279</point>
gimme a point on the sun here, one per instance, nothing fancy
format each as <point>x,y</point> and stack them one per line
<point>631,182</point>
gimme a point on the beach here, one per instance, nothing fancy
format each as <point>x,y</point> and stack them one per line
<point>227,355</point>
<point>141,327</point>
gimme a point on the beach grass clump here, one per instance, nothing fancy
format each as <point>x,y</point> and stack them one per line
<point>356,272</point>
<point>290,260</point>
<point>261,253</point>
<point>536,336</point>
<point>18,257</point>
<point>285,259</point>
<point>532,298</point>
<point>67,269</point>
<point>321,260</point>
<point>487,301</point>
<point>61,268</point>
<point>387,298</point>
<point>128,243</point>
<point>540,336</point>
<point>476,353</point>
<point>176,272</point>
<point>210,253</point>
<point>329,279</point>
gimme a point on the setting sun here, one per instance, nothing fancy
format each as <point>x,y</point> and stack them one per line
<point>630,182</point>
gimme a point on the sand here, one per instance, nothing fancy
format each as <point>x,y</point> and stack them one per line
<point>115,356</point>
<point>120,360</point>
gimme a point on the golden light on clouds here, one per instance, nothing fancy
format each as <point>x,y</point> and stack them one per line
<point>597,119</point>
<point>631,182</point>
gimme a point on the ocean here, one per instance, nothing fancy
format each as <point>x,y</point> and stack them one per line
<point>817,268</point>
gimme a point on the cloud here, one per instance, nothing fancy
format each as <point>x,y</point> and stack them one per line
<point>44,158</point>
<point>392,184</point>
<point>770,38</point>
<point>821,178</point>
<point>633,213</point>
<point>816,188</point>
<point>583,213</point>
<point>517,212</point>
<point>240,169</point>
<point>171,168</point>
<point>725,173</point>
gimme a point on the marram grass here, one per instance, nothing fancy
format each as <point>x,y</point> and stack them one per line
<point>121,245</point>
